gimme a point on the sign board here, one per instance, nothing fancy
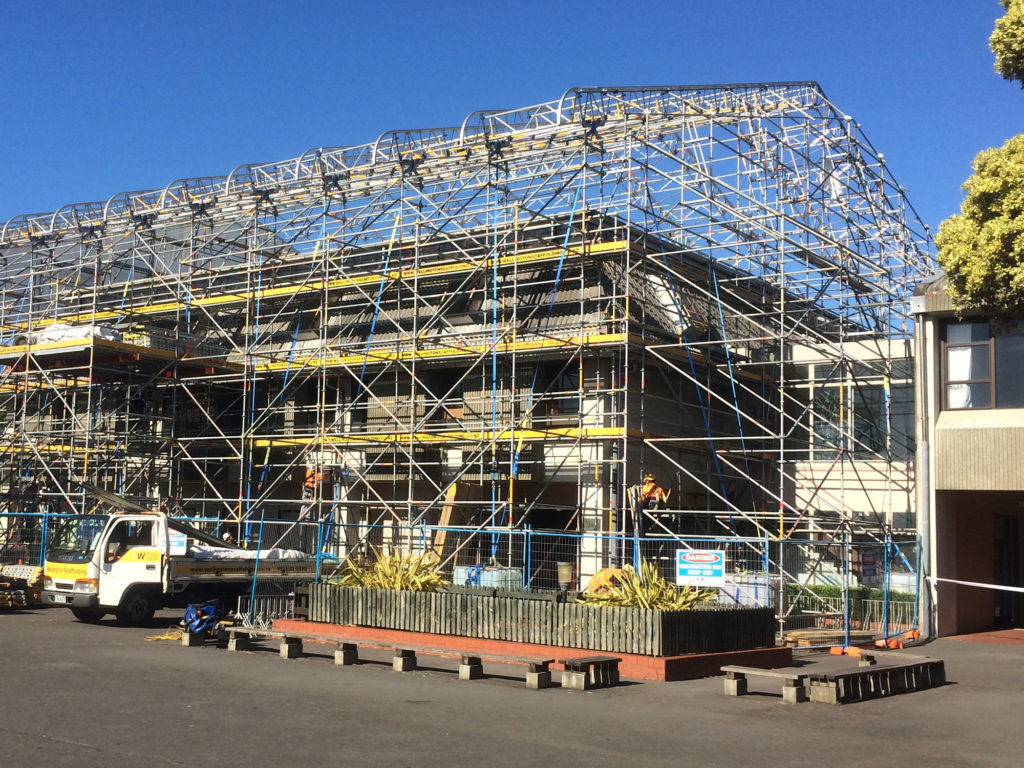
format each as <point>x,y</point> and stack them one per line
<point>868,569</point>
<point>177,543</point>
<point>700,567</point>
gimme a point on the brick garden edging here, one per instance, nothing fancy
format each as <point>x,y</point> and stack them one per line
<point>633,666</point>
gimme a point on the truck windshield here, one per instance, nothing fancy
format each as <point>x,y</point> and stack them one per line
<point>78,534</point>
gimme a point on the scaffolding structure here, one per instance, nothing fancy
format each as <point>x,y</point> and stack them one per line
<point>501,325</point>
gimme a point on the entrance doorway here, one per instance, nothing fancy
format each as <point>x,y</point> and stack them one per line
<point>1006,559</point>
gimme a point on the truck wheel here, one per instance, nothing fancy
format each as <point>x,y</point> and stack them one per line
<point>88,615</point>
<point>137,608</point>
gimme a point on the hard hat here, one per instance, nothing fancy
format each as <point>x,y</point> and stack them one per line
<point>648,477</point>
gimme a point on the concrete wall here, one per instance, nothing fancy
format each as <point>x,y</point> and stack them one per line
<point>981,450</point>
<point>872,491</point>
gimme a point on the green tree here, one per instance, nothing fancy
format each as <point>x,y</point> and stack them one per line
<point>1007,41</point>
<point>982,248</point>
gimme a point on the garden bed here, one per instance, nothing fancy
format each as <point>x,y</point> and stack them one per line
<point>545,622</point>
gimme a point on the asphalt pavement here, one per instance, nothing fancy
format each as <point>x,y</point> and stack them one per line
<point>74,694</point>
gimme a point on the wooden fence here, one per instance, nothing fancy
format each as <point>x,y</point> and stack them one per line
<point>546,622</point>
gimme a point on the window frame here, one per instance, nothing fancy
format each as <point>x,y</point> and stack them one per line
<point>852,388</point>
<point>989,343</point>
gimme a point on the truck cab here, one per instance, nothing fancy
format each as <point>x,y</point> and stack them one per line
<point>131,563</point>
<point>100,564</point>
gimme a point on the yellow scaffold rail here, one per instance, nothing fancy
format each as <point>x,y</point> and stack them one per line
<point>61,448</point>
<point>449,436</point>
<point>316,286</point>
<point>371,438</point>
<point>443,353</point>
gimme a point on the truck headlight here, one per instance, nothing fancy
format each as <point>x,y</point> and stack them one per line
<point>47,582</point>
<point>89,586</point>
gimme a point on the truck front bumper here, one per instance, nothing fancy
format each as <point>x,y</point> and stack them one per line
<point>70,599</point>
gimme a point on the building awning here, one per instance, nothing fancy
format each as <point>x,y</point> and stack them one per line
<point>931,296</point>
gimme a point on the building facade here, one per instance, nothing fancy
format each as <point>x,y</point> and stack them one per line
<point>970,455</point>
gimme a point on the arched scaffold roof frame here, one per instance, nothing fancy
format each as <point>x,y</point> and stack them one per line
<point>574,104</point>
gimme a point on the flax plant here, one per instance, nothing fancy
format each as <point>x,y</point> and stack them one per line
<point>410,572</point>
<point>647,589</point>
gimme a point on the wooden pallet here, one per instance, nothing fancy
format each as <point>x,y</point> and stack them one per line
<point>814,637</point>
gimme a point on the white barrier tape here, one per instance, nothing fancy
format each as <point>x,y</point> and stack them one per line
<point>978,584</point>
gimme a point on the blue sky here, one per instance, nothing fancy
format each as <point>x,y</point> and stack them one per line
<point>107,97</point>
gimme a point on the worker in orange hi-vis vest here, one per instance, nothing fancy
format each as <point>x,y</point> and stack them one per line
<point>311,486</point>
<point>647,495</point>
<point>652,495</point>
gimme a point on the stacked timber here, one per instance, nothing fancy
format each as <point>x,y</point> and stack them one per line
<point>20,586</point>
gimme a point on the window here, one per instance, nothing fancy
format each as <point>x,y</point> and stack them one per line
<point>982,371</point>
<point>557,385</point>
<point>901,419</point>
<point>1010,369</point>
<point>865,413</point>
<point>869,421</point>
<point>79,533</point>
<point>129,534</point>
<point>967,364</point>
<point>827,436</point>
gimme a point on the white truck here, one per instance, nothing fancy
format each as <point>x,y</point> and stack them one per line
<point>130,564</point>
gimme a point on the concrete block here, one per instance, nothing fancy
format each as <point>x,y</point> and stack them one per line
<point>404,663</point>
<point>238,642</point>
<point>577,681</point>
<point>346,655</point>
<point>824,692</point>
<point>537,680</point>
<point>189,640</point>
<point>736,686</point>
<point>291,647</point>
<point>471,671</point>
<point>793,694</point>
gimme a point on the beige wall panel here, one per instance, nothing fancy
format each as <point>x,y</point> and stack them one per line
<point>980,450</point>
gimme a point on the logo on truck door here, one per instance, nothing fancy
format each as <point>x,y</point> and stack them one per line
<point>142,555</point>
